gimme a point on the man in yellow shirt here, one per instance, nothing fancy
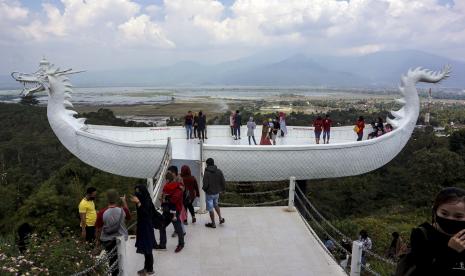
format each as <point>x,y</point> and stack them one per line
<point>88,215</point>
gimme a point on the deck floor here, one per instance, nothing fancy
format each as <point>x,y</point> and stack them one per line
<point>253,241</point>
<point>190,149</point>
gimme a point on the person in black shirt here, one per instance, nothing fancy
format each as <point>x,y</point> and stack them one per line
<point>439,248</point>
<point>201,126</point>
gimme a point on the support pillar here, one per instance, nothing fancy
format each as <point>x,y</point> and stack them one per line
<point>202,196</point>
<point>356,264</point>
<point>302,184</point>
<point>122,258</point>
<point>290,205</point>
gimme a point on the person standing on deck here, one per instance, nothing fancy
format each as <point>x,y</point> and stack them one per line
<point>282,123</point>
<point>88,215</point>
<point>326,129</point>
<point>202,126</point>
<point>213,185</point>
<point>318,127</point>
<point>359,126</point>
<point>231,123</point>
<point>265,139</point>
<point>237,125</point>
<point>188,122</point>
<point>251,125</point>
<point>275,130</point>
<point>196,124</point>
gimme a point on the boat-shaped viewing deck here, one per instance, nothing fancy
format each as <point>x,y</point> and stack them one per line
<point>253,241</point>
<point>189,149</point>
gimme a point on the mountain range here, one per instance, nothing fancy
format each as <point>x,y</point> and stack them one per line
<point>381,69</point>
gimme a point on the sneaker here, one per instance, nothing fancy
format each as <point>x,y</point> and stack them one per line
<point>174,234</point>
<point>178,248</point>
<point>194,220</point>
<point>185,222</point>
<point>221,220</point>
<point>160,248</point>
<point>150,273</point>
<point>210,225</point>
<point>141,272</point>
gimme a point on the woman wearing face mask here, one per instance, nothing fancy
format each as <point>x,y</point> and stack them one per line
<point>439,248</point>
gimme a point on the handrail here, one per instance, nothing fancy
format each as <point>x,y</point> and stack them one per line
<point>159,176</point>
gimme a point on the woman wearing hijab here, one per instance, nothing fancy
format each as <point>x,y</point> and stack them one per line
<point>282,123</point>
<point>145,237</point>
<point>191,191</point>
<point>265,139</point>
<point>250,130</point>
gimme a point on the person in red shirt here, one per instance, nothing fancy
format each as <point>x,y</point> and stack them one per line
<point>326,129</point>
<point>191,191</point>
<point>173,193</point>
<point>318,127</point>
<point>188,123</point>
<point>110,224</point>
<point>360,124</point>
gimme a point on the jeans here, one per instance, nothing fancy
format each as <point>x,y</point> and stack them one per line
<point>108,246</point>
<point>178,228</point>
<point>237,132</point>
<point>360,136</point>
<point>212,201</point>
<point>189,131</point>
<point>201,133</point>
<point>253,137</point>
<point>325,134</point>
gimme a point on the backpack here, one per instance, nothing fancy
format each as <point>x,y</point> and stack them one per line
<point>406,265</point>
<point>113,228</point>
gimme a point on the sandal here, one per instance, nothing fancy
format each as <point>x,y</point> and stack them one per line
<point>210,225</point>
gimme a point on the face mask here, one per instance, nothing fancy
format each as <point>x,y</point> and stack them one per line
<point>91,197</point>
<point>450,226</point>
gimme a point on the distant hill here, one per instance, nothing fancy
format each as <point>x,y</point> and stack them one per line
<point>381,69</point>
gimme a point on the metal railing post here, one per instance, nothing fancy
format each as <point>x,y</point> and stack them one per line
<point>290,205</point>
<point>356,264</point>
<point>121,251</point>
<point>202,199</point>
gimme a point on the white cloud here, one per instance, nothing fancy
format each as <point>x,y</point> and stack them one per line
<point>12,10</point>
<point>140,30</point>
<point>193,29</point>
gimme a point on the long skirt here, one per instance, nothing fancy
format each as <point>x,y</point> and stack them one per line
<point>265,140</point>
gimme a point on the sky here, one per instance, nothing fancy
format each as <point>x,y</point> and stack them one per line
<point>122,34</point>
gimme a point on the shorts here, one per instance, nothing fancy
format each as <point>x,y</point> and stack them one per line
<point>317,134</point>
<point>212,201</point>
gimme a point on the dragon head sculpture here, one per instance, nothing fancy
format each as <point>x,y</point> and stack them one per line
<point>38,81</point>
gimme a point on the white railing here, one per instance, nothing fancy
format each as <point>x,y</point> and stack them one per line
<point>356,265</point>
<point>157,187</point>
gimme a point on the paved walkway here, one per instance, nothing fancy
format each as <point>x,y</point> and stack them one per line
<point>253,241</point>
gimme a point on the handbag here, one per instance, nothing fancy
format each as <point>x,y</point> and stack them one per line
<point>356,129</point>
